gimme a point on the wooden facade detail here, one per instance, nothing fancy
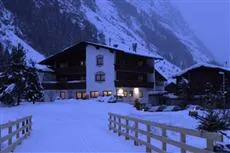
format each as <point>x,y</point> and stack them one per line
<point>133,84</point>
<point>64,85</point>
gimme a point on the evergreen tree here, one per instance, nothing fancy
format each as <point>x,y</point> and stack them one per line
<point>214,121</point>
<point>33,89</point>
<point>14,80</point>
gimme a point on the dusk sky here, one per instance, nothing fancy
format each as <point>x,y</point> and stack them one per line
<point>210,20</point>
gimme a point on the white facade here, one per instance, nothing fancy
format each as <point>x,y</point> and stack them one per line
<point>91,69</point>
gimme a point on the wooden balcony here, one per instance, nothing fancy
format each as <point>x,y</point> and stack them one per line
<point>134,68</point>
<point>64,85</point>
<point>72,70</point>
<point>133,84</point>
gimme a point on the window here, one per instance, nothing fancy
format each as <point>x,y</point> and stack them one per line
<point>141,94</point>
<point>140,78</point>
<point>63,65</point>
<point>81,95</point>
<point>140,63</point>
<point>100,76</point>
<point>100,60</point>
<point>107,93</point>
<point>62,94</point>
<point>94,94</point>
<point>82,63</point>
<point>131,94</point>
<point>125,93</point>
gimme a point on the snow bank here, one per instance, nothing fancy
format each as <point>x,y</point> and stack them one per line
<point>59,126</point>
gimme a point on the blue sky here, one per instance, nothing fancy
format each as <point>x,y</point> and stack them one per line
<point>210,20</point>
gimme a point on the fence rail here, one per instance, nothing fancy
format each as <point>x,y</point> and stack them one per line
<point>10,138</point>
<point>122,125</point>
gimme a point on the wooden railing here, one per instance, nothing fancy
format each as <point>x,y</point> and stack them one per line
<point>131,128</point>
<point>10,138</point>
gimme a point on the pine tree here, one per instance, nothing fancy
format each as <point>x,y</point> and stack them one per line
<point>33,90</point>
<point>13,84</point>
<point>213,120</point>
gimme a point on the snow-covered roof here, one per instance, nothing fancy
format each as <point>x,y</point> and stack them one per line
<point>201,65</point>
<point>43,68</point>
<point>126,50</point>
<point>138,52</point>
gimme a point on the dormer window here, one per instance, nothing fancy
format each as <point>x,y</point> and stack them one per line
<point>100,76</point>
<point>100,60</point>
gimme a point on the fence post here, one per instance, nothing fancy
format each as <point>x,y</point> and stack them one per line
<point>10,132</point>
<point>136,132</point>
<point>114,124</point>
<point>119,126</point>
<point>183,140</point>
<point>17,128</point>
<point>110,120</point>
<point>148,148</point>
<point>164,144</point>
<point>127,128</point>
<point>210,145</point>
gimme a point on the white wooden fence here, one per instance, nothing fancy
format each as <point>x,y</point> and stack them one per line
<point>10,138</point>
<point>123,125</point>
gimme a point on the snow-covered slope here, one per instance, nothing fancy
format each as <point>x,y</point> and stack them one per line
<point>9,35</point>
<point>155,25</point>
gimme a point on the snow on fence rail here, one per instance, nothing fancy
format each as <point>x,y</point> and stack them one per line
<point>9,139</point>
<point>123,125</point>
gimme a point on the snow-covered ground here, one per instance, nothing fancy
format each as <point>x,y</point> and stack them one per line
<point>82,126</point>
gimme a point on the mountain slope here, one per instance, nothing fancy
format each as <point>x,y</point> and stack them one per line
<point>9,35</point>
<point>51,25</point>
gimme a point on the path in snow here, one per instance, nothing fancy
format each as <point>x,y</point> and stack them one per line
<point>70,127</point>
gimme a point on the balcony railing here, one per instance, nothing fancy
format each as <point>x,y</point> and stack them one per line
<point>125,83</point>
<point>53,85</point>
<point>134,68</point>
<point>72,70</point>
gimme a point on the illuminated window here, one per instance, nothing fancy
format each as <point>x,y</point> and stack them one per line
<point>120,92</point>
<point>107,93</point>
<point>82,63</point>
<point>131,94</point>
<point>94,94</point>
<point>125,93</point>
<point>81,95</point>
